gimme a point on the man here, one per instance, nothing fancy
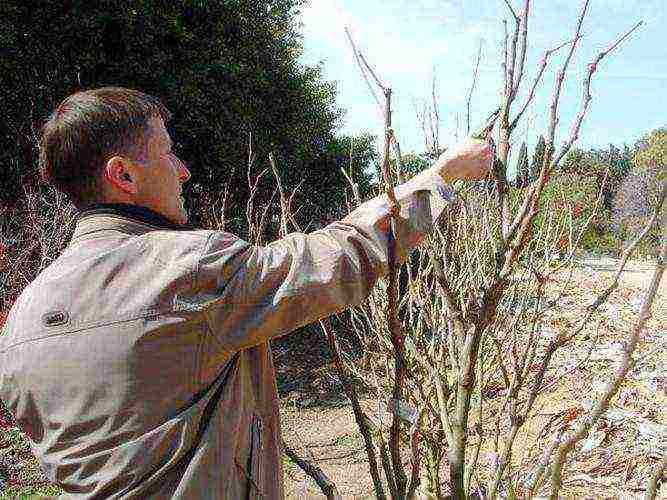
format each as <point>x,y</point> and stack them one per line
<point>138,363</point>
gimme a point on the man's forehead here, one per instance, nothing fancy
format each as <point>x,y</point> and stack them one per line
<point>160,133</point>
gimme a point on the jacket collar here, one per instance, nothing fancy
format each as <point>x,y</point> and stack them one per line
<point>122,217</point>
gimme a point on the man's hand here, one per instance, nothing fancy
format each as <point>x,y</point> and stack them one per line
<point>469,160</point>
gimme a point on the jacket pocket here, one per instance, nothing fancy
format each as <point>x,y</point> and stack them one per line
<point>255,459</point>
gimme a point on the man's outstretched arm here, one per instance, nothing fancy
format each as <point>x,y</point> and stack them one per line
<point>254,293</point>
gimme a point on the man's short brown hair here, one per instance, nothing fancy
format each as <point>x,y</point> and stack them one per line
<point>87,129</point>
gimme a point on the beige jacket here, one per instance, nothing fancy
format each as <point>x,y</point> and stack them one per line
<point>109,358</point>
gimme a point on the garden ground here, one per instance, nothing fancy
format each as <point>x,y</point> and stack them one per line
<point>317,420</point>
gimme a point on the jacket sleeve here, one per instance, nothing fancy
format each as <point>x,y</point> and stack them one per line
<point>255,293</point>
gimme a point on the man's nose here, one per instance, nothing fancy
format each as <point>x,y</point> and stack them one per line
<point>183,172</point>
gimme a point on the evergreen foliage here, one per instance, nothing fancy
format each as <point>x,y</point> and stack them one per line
<point>225,68</point>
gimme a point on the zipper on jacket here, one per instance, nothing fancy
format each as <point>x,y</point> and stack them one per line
<point>254,460</point>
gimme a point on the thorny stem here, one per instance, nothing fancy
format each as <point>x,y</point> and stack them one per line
<point>397,338</point>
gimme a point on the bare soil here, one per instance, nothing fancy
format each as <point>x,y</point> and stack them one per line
<point>319,425</point>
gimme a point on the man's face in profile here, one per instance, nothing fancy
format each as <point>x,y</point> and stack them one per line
<point>161,176</point>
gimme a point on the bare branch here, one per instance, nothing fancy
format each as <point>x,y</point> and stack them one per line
<point>325,484</point>
<point>283,198</point>
<point>542,465</point>
<point>524,46</point>
<point>353,185</point>
<point>397,338</point>
<point>359,416</point>
<point>543,64</point>
<point>505,63</point>
<point>617,42</point>
<point>472,87</point>
<point>586,99</point>
<point>357,57</point>
<point>511,9</point>
<point>370,70</point>
<point>524,224</point>
<point>560,74</point>
<point>400,168</point>
<point>415,436</point>
<point>436,116</point>
<point>511,63</point>
<point>456,129</point>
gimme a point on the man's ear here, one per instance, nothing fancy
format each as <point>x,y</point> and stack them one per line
<point>119,176</point>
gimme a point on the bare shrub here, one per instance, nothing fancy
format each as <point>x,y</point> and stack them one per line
<point>33,233</point>
<point>485,321</point>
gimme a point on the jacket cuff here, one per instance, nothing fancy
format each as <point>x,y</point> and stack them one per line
<point>441,193</point>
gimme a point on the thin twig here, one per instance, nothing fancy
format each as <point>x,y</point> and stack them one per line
<point>509,6</point>
<point>436,117</point>
<point>511,62</point>
<point>560,74</point>
<point>586,98</point>
<point>543,64</point>
<point>283,199</point>
<point>361,68</point>
<point>472,87</point>
<point>370,70</point>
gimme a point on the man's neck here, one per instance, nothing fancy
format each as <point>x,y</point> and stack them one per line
<point>132,211</point>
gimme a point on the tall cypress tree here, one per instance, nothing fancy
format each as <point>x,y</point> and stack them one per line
<point>538,157</point>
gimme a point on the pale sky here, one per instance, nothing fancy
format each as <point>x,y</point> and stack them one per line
<point>405,41</point>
